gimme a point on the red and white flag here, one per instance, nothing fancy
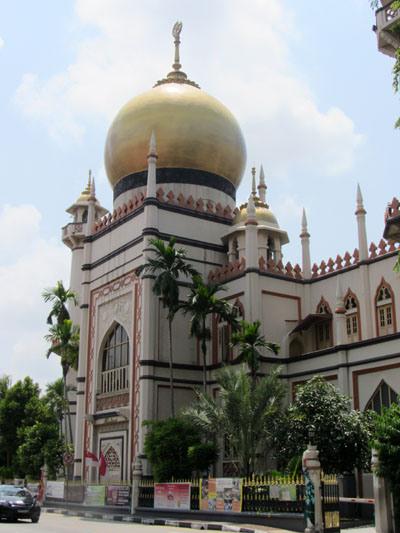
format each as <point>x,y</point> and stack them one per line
<point>102,465</point>
<point>91,459</point>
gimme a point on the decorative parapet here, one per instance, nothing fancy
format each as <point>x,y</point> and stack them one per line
<point>279,268</point>
<point>125,209</point>
<point>349,260</point>
<point>136,202</point>
<point>227,272</point>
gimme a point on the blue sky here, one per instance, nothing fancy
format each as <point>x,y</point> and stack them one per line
<point>304,79</point>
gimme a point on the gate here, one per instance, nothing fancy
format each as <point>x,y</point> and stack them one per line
<point>330,504</point>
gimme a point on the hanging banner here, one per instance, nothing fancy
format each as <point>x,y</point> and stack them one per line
<point>172,496</point>
<point>95,495</point>
<point>221,494</point>
<point>55,490</point>
<point>118,495</point>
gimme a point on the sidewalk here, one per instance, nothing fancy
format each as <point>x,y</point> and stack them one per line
<point>193,524</point>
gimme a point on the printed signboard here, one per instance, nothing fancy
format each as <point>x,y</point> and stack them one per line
<point>221,494</point>
<point>172,496</point>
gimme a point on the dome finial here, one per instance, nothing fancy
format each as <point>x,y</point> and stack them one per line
<point>177,75</point>
<point>176,32</point>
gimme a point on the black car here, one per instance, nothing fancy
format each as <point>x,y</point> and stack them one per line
<point>18,502</point>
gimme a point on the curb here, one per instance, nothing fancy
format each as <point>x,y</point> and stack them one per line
<point>151,521</point>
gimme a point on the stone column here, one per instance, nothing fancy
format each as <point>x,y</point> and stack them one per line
<point>312,475</point>
<point>136,477</point>
<point>383,503</point>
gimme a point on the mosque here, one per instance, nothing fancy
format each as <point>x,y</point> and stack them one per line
<point>174,158</point>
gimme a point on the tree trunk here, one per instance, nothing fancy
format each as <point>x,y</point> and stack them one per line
<point>67,411</point>
<point>171,369</point>
<point>204,351</point>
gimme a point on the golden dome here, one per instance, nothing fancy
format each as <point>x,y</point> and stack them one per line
<point>193,131</point>
<point>264,215</point>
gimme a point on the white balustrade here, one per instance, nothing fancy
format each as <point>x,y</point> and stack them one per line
<point>115,380</point>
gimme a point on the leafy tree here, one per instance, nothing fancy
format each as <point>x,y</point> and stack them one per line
<point>249,340</point>
<point>387,442</point>
<point>342,434</point>
<point>19,407</point>
<point>246,414</point>
<point>59,296</point>
<point>201,304</point>
<point>64,342</point>
<point>175,449</point>
<point>168,264</point>
<point>63,337</point>
<point>5,384</point>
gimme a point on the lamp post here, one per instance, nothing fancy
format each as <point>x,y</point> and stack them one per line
<point>312,477</point>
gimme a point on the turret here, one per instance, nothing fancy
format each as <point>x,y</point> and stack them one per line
<point>361,225</point>
<point>262,188</point>
<point>305,247</point>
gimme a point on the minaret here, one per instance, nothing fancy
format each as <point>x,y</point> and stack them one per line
<point>305,247</point>
<point>253,182</point>
<point>262,188</point>
<point>251,250</point>
<point>150,204</point>
<point>340,312</point>
<point>361,224</point>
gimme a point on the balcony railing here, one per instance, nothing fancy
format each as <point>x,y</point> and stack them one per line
<point>115,380</point>
<point>387,28</point>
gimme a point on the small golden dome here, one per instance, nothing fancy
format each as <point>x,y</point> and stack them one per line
<point>264,215</point>
<point>193,131</point>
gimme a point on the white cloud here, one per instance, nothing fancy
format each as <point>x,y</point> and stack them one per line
<point>24,273</point>
<point>241,55</point>
<point>1,42</point>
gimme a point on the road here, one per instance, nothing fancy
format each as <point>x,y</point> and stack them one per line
<point>55,523</point>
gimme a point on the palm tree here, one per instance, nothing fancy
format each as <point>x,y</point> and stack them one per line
<point>59,296</point>
<point>168,265</point>
<point>249,340</point>
<point>245,414</point>
<point>64,342</point>
<point>202,303</point>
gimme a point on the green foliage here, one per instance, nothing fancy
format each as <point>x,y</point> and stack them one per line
<point>249,340</point>
<point>168,264</point>
<point>29,431</point>
<point>342,435</point>
<point>387,442</point>
<point>59,297</point>
<point>201,304</point>
<point>175,450</point>
<point>246,414</point>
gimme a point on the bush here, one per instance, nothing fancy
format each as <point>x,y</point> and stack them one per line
<point>175,449</point>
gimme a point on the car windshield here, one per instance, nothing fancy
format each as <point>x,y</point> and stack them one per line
<point>12,491</point>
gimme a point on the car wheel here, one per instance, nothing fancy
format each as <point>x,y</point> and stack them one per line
<point>35,519</point>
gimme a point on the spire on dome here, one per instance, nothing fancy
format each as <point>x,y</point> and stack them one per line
<point>304,223</point>
<point>359,201</point>
<point>177,75</point>
<point>262,187</point>
<point>251,211</point>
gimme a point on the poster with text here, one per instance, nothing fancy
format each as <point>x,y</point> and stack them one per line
<point>221,494</point>
<point>118,495</point>
<point>55,490</point>
<point>95,495</point>
<point>172,496</point>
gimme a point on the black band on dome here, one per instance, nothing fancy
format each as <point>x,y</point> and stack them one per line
<point>176,175</point>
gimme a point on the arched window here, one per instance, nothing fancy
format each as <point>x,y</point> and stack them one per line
<point>235,249</point>
<point>323,327</point>
<point>352,317</point>
<point>384,308</point>
<point>115,363</point>
<point>270,249</point>
<point>383,396</point>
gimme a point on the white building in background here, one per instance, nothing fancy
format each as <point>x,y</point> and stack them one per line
<point>175,157</point>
